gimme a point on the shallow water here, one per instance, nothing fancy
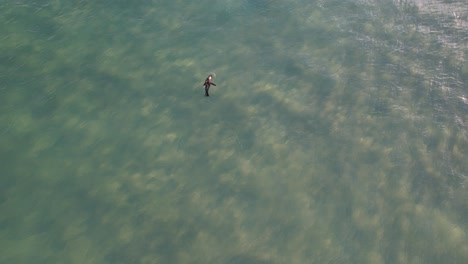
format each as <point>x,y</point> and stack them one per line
<point>337,132</point>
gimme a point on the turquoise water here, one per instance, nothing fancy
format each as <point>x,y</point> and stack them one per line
<point>337,132</point>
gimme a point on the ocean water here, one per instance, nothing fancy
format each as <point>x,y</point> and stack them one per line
<point>337,132</point>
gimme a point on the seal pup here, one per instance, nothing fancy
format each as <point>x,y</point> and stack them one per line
<point>458,18</point>
<point>207,84</point>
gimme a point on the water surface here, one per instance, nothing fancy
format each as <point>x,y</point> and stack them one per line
<point>337,132</point>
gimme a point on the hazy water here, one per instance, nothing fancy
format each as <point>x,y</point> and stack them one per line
<point>337,132</point>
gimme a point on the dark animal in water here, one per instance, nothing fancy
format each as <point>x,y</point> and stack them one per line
<point>207,84</point>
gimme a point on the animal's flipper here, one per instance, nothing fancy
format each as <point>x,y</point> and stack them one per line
<point>213,84</point>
